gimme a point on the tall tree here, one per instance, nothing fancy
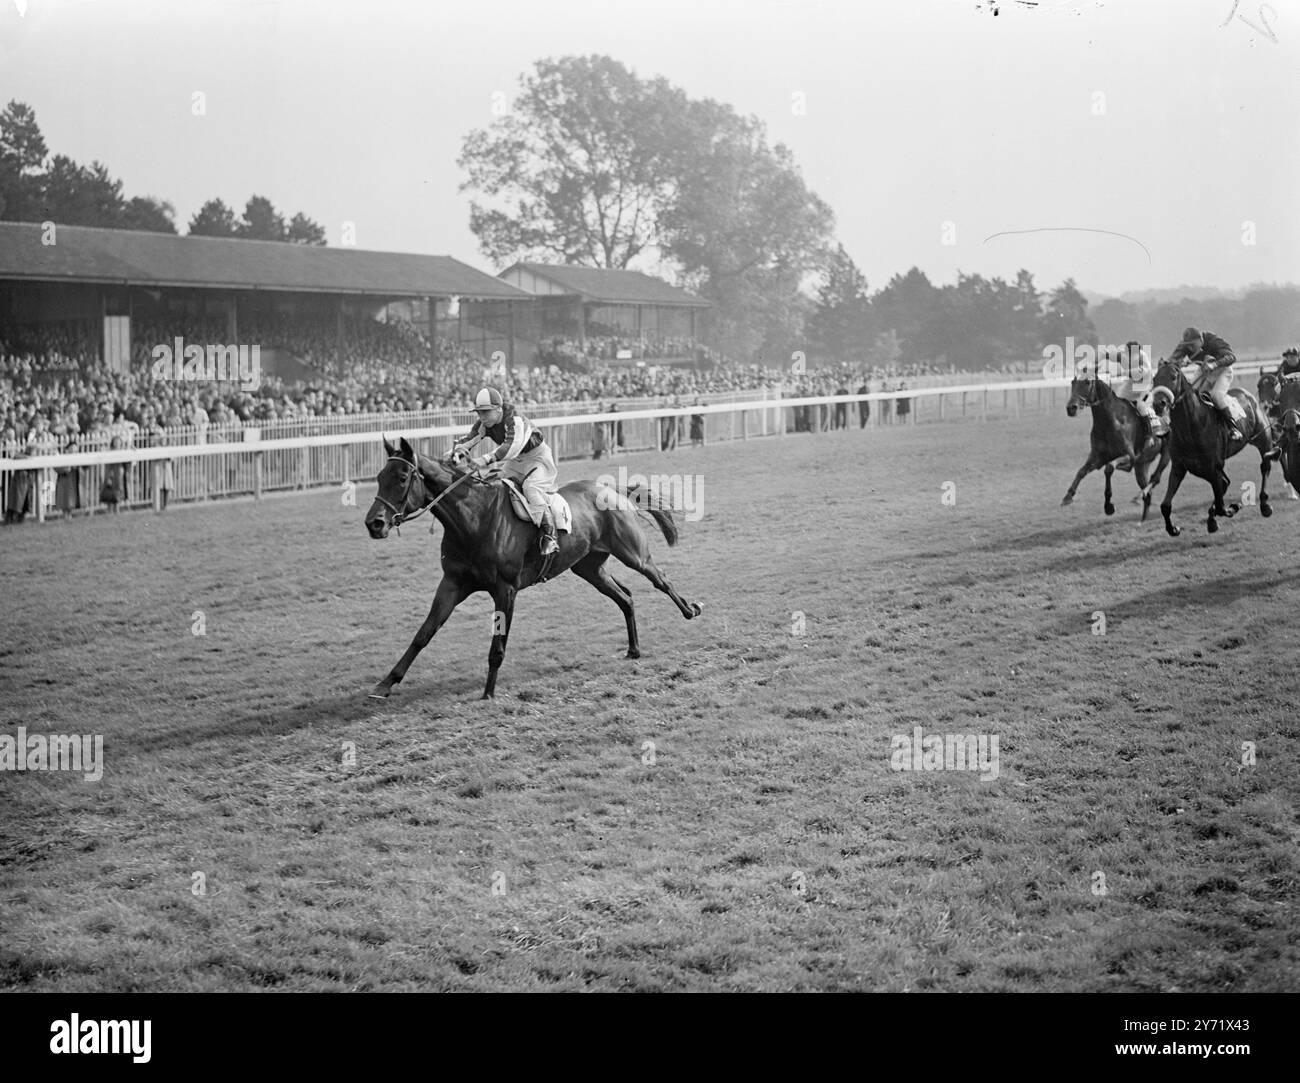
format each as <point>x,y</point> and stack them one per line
<point>1067,316</point>
<point>841,326</point>
<point>745,229</point>
<point>214,219</point>
<point>911,306</point>
<point>22,156</point>
<point>149,214</point>
<point>261,221</point>
<point>302,230</point>
<point>79,195</point>
<point>578,171</point>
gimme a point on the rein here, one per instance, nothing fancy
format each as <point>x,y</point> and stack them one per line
<point>399,516</point>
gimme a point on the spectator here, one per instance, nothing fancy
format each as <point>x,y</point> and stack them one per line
<point>114,488</point>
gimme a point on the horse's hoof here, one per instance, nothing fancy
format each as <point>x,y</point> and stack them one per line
<point>1067,500</point>
<point>632,654</point>
<point>378,694</point>
<point>1109,509</point>
<point>1212,526</point>
<point>697,607</point>
<point>1173,531</point>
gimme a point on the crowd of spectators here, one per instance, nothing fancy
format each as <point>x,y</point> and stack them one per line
<point>603,344</point>
<point>53,387</point>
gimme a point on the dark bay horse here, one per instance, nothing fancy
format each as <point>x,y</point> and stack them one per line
<point>1201,441</point>
<point>1289,419</point>
<point>1269,389</point>
<point>486,547</point>
<point>1119,439</point>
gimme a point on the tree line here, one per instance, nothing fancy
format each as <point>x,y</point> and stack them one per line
<point>36,186</point>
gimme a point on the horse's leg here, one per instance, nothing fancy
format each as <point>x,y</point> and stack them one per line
<point>1176,474</point>
<point>1219,484</point>
<point>1107,506</point>
<point>449,595</point>
<point>503,600</point>
<point>592,569</point>
<point>1144,491</point>
<point>1090,464</point>
<point>1265,468</point>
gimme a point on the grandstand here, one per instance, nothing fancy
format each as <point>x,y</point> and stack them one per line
<point>594,314</point>
<point>120,288</point>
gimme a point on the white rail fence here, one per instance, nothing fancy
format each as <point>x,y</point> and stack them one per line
<point>253,466</point>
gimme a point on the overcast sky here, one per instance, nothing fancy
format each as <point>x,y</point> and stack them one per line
<point>916,113</point>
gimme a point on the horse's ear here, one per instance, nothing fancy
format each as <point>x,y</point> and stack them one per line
<point>408,452</point>
<point>389,450</point>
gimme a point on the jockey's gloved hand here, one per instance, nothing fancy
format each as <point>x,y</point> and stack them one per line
<point>482,461</point>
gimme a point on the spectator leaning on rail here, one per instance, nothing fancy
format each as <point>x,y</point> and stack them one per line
<point>521,446</point>
<point>1216,357</point>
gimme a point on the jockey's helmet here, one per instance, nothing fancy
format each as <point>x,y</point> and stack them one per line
<point>1291,351</point>
<point>1191,334</point>
<point>487,404</point>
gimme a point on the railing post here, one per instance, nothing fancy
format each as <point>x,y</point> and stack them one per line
<point>744,424</point>
<point>257,475</point>
<point>940,398</point>
<point>984,405</point>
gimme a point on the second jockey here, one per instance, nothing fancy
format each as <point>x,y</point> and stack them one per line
<point>526,457</point>
<point>1215,357</point>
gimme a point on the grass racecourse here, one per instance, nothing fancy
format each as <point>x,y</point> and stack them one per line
<point>721,814</point>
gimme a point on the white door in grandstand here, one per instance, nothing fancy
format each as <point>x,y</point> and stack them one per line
<point>117,343</point>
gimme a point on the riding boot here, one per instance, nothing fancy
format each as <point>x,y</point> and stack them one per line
<point>1236,429</point>
<point>547,542</point>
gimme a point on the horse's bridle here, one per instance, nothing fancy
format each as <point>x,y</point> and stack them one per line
<point>399,515</point>
<point>1091,398</point>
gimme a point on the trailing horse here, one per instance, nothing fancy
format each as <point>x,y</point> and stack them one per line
<point>1201,441</point>
<point>1119,439</point>
<point>486,547</point>
<point>1269,389</point>
<point>1289,420</point>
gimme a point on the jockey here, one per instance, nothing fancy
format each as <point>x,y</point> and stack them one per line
<point>1290,363</point>
<point>521,445</point>
<point>1215,357</point>
<point>1133,382</point>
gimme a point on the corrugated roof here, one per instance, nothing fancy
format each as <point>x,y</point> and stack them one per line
<point>82,254</point>
<point>596,284</point>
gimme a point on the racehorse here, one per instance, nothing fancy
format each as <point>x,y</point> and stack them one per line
<point>1201,441</point>
<point>1268,389</point>
<point>1289,419</point>
<point>486,547</point>
<point>1117,432</point>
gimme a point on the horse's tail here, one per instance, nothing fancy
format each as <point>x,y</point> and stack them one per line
<point>649,503</point>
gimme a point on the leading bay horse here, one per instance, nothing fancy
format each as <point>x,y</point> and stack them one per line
<point>1119,439</point>
<point>1201,441</point>
<point>485,546</point>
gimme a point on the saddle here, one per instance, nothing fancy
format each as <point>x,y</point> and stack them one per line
<point>559,506</point>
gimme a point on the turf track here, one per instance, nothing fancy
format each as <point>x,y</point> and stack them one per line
<point>769,845</point>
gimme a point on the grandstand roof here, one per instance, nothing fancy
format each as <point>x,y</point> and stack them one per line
<point>610,287</point>
<point>128,257</point>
